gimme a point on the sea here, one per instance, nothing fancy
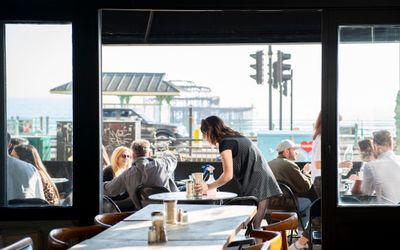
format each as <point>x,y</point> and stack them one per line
<point>35,111</point>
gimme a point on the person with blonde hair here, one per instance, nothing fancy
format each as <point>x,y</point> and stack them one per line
<point>145,170</point>
<point>28,153</point>
<point>121,159</point>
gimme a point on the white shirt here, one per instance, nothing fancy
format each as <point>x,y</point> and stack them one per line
<point>23,180</point>
<point>315,156</point>
<point>383,176</point>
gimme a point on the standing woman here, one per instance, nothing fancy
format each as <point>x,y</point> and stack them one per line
<point>28,153</point>
<point>121,159</point>
<point>316,156</point>
<point>242,160</point>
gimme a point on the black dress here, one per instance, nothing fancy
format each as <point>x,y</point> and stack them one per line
<point>250,168</point>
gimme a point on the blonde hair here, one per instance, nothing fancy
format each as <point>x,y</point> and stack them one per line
<point>117,169</point>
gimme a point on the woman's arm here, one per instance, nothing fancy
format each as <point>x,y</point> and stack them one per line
<point>227,173</point>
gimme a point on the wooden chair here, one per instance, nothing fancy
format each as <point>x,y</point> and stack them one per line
<point>144,191</point>
<point>23,244</point>
<point>108,219</point>
<point>66,237</point>
<point>284,221</point>
<point>272,240</point>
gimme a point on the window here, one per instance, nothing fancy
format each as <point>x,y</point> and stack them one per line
<point>369,105</point>
<point>39,113</point>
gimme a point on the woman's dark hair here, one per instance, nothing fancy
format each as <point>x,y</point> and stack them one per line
<point>28,153</point>
<point>215,129</point>
<point>366,148</point>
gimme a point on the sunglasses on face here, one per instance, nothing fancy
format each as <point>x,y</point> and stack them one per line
<point>125,156</point>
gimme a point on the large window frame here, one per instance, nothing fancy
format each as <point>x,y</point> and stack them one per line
<point>86,131</point>
<point>345,220</point>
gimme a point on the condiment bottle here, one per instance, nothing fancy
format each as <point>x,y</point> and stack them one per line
<point>163,235</point>
<point>158,221</point>
<point>171,211</point>
<point>152,235</point>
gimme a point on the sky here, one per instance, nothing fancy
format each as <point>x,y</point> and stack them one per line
<point>39,58</point>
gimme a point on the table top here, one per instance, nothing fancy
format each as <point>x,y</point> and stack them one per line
<point>210,227</point>
<point>181,196</point>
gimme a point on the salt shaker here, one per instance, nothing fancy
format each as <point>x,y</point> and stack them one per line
<point>152,235</point>
<point>157,219</point>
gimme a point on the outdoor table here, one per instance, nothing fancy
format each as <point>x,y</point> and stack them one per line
<point>181,196</point>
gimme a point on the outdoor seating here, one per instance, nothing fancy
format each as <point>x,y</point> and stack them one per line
<point>144,191</point>
<point>109,206</point>
<point>22,244</point>
<point>287,203</point>
<point>66,237</point>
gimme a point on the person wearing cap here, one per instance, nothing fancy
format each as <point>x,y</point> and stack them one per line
<point>288,172</point>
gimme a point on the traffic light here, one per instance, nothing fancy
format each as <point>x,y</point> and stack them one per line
<point>284,88</point>
<point>258,66</point>
<point>279,68</point>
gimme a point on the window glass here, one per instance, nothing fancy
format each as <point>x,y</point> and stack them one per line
<point>39,114</point>
<point>369,108</point>
<point>177,86</point>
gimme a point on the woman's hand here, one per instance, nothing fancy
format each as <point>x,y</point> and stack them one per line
<point>201,187</point>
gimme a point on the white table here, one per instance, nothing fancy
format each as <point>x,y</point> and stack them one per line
<point>181,196</point>
<point>210,227</point>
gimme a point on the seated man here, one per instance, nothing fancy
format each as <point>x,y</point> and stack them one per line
<point>144,170</point>
<point>23,180</point>
<point>382,175</point>
<point>288,172</point>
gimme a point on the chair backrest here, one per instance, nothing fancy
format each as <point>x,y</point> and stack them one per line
<point>144,191</point>
<point>284,221</point>
<point>243,200</point>
<point>272,240</point>
<point>23,244</point>
<point>286,202</point>
<point>28,202</point>
<point>109,205</point>
<point>66,237</point>
<point>108,219</point>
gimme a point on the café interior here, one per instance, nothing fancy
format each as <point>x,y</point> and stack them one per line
<point>202,223</point>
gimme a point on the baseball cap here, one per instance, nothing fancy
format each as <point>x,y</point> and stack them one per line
<point>285,144</point>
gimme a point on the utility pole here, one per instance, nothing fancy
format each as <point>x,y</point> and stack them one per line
<point>291,99</point>
<point>270,84</point>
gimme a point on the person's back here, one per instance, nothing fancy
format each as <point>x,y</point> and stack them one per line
<point>144,170</point>
<point>383,177</point>
<point>23,180</point>
<point>383,174</point>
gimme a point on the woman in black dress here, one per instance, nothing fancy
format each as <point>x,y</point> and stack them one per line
<point>242,160</point>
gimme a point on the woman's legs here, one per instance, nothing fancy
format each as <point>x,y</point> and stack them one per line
<point>262,207</point>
